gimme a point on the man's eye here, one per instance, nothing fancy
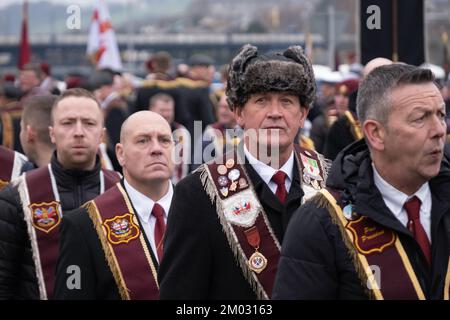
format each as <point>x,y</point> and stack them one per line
<point>142,140</point>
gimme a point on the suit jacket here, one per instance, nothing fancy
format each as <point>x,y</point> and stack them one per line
<point>80,246</point>
<point>198,262</point>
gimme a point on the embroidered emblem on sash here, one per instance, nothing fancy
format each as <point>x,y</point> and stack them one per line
<point>370,237</point>
<point>46,216</point>
<point>121,229</point>
<point>242,209</point>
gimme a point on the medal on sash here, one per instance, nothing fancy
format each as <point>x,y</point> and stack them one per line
<point>257,262</point>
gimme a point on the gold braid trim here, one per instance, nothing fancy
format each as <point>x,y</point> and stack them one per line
<point>321,201</point>
<point>113,264</point>
<point>356,127</point>
<point>447,282</point>
<point>8,131</point>
<point>239,255</point>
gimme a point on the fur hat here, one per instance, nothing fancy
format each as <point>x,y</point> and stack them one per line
<point>251,73</point>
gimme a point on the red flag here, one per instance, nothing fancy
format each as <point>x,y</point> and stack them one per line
<point>24,46</point>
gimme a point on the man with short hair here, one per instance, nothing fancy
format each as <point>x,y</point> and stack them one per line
<point>229,217</point>
<point>164,105</point>
<point>34,136</point>
<point>32,208</point>
<point>116,239</point>
<point>381,228</point>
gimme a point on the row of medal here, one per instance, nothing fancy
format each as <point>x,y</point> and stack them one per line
<point>226,176</point>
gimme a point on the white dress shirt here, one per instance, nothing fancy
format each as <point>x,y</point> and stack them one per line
<point>144,206</point>
<point>266,172</point>
<point>395,200</point>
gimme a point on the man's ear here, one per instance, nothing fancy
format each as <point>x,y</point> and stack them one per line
<point>375,134</point>
<point>119,154</point>
<point>30,133</point>
<point>52,134</point>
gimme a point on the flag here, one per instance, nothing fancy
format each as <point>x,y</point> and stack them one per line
<point>24,46</point>
<point>102,45</point>
<point>400,35</point>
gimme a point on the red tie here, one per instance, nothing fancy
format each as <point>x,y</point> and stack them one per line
<point>160,228</point>
<point>412,207</point>
<point>279,178</point>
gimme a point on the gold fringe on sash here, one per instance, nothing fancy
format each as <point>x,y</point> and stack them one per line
<point>109,254</point>
<point>249,275</point>
<point>323,202</point>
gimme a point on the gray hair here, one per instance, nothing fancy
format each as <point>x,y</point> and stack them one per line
<point>373,101</point>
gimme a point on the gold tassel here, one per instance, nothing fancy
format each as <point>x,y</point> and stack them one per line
<point>109,255</point>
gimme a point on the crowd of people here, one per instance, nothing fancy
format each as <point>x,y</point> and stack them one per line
<point>277,183</point>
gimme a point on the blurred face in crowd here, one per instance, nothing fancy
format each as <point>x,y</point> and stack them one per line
<point>28,79</point>
<point>77,132</point>
<point>145,150</point>
<point>278,114</point>
<point>103,92</point>
<point>341,103</point>
<point>205,73</point>
<point>411,142</point>
<point>224,114</point>
<point>165,108</point>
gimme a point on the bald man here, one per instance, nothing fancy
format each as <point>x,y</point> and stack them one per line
<point>112,246</point>
<point>375,63</point>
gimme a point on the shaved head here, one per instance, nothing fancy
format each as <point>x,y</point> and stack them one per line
<point>141,117</point>
<point>375,63</point>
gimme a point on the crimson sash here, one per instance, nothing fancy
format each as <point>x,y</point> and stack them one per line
<point>243,219</point>
<point>124,245</point>
<point>374,245</point>
<point>6,166</point>
<point>43,213</point>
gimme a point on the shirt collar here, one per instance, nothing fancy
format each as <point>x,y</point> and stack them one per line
<point>266,172</point>
<point>144,205</point>
<point>394,198</point>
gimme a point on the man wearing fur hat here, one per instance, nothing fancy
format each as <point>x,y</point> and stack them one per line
<point>226,245</point>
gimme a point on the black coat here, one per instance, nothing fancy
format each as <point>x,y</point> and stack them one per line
<point>17,272</point>
<point>81,246</point>
<point>315,263</point>
<point>198,262</point>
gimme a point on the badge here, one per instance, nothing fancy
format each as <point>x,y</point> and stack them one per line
<point>223,181</point>
<point>45,216</point>
<point>224,191</point>
<point>241,209</point>
<point>222,169</point>
<point>234,174</point>
<point>311,167</point>
<point>233,186</point>
<point>121,229</point>
<point>349,214</point>
<point>257,262</point>
<point>243,183</point>
<point>230,163</point>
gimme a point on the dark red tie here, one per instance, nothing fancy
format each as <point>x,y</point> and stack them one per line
<point>412,207</point>
<point>160,228</point>
<point>279,178</point>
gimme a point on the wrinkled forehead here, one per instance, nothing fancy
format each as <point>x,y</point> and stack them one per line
<point>148,126</point>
